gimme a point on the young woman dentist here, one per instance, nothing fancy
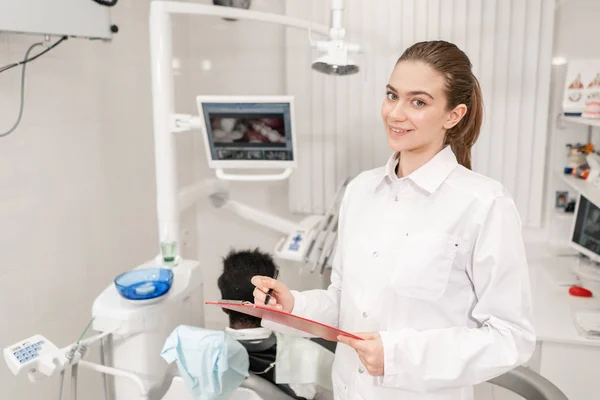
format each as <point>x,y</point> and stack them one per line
<point>430,259</point>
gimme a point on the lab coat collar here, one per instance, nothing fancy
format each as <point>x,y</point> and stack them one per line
<point>428,177</point>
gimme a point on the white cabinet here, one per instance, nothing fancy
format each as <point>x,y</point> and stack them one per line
<point>575,369</point>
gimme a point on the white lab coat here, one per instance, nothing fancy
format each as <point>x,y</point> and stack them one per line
<point>436,263</point>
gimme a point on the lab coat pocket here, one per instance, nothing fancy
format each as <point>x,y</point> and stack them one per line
<point>422,265</point>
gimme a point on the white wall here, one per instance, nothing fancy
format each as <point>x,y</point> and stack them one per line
<point>76,184</point>
<point>77,196</point>
<point>577,29</point>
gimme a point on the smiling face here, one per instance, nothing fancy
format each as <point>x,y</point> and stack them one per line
<point>415,110</point>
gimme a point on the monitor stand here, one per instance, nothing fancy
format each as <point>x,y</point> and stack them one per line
<point>253,178</point>
<point>560,270</point>
<point>588,268</point>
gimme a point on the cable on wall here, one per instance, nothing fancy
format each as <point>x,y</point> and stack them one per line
<point>24,63</point>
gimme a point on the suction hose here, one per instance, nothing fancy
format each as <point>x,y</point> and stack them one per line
<point>74,371</point>
<point>62,382</point>
<point>103,362</point>
<point>77,353</point>
<point>77,348</point>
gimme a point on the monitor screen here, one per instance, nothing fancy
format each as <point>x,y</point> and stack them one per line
<point>248,132</point>
<point>586,229</point>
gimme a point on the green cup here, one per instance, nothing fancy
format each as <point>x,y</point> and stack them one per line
<point>169,252</point>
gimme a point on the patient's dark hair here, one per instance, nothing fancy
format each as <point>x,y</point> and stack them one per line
<point>234,283</point>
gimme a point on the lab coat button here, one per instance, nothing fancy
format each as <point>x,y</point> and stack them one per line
<point>365,315</point>
<point>375,254</point>
<point>361,370</point>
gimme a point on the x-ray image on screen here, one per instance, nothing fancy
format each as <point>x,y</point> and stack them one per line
<point>248,129</point>
<point>248,133</point>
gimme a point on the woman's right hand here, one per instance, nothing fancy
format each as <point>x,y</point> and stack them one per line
<point>281,297</point>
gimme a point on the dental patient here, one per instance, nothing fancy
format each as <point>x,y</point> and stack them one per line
<point>304,365</point>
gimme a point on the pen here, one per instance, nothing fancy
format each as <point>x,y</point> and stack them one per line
<point>270,292</point>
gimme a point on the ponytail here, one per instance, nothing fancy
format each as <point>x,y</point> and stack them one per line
<point>463,136</point>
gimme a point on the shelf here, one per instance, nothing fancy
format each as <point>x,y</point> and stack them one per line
<point>583,186</point>
<point>561,214</point>
<point>583,121</point>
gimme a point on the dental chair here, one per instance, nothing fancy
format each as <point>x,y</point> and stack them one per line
<point>529,385</point>
<point>522,381</point>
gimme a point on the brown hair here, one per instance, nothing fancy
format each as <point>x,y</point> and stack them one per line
<point>461,87</point>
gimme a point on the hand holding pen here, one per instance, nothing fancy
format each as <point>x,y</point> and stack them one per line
<point>270,291</point>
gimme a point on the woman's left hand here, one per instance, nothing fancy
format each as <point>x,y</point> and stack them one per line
<point>369,350</point>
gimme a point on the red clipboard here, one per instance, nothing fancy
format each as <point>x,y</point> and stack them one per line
<point>281,317</point>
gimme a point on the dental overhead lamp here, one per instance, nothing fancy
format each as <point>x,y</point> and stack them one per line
<point>336,61</point>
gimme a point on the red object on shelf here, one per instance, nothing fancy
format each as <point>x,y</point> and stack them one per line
<point>578,291</point>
